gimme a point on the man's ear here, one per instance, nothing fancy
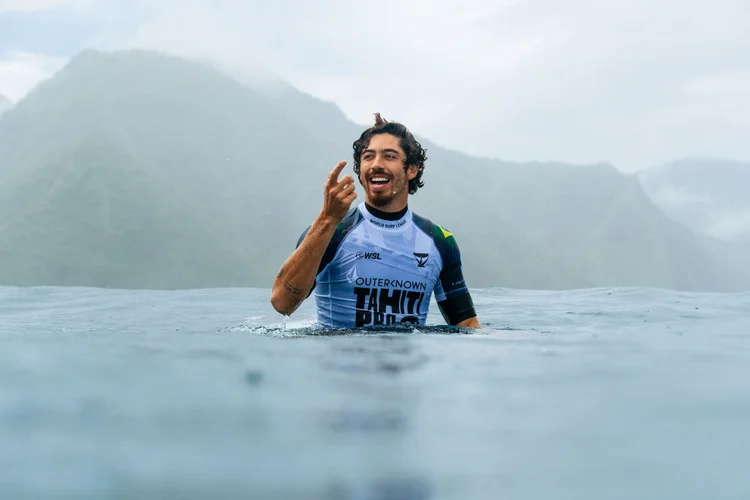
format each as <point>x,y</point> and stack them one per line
<point>411,172</point>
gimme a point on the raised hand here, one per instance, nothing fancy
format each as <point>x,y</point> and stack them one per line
<point>339,194</point>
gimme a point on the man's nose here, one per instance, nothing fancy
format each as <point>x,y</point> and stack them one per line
<point>379,160</point>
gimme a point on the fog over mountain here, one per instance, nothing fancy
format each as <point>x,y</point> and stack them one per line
<point>4,103</point>
<point>140,170</point>
<point>632,82</point>
<point>708,195</point>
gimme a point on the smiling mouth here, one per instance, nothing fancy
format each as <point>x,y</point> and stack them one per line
<point>379,180</point>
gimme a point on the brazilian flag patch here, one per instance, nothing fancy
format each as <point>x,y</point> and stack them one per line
<point>444,234</point>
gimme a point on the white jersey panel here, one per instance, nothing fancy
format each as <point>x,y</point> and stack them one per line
<point>383,272</point>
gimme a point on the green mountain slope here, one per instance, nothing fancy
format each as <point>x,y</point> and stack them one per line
<point>138,170</point>
<point>93,218</point>
<point>592,223</point>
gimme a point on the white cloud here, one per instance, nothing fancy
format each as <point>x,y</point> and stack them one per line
<point>731,226</point>
<point>636,82</point>
<point>37,5</point>
<point>20,71</point>
<point>607,83</point>
<point>676,197</point>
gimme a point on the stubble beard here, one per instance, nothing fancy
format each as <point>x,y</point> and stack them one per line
<point>384,199</point>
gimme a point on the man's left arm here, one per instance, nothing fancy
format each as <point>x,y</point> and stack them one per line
<point>452,293</point>
<point>458,310</point>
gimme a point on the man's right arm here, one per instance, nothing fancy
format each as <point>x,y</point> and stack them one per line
<point>296,278</point>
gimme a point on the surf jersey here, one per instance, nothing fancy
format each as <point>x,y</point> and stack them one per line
<point>377,271</point>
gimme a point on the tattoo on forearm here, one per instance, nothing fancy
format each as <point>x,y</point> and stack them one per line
<point>293,289</point>
<point>281,271</point>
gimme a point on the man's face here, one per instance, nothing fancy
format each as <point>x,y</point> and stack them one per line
<point>382,173</point>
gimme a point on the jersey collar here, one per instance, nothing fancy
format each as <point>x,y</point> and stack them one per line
<point>375,217</point>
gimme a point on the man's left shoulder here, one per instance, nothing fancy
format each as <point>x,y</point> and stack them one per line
<point>440,235</point>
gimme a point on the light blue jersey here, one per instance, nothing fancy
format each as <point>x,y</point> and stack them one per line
<point>377,271</point>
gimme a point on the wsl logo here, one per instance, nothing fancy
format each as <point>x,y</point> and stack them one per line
<point>421,258</point>
<point>369,255</point>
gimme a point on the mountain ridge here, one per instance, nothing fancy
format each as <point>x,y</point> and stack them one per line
<point>5,104</point>
<point>244,168</point>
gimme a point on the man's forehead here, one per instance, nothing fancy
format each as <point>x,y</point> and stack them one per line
<point>385,141</point>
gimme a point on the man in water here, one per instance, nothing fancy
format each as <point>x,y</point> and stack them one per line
<point>378,263</point>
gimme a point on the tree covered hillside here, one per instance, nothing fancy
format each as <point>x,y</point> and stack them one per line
<point>141,170</point>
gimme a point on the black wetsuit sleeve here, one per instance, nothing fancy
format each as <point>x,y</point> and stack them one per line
<point>457,308</point>
<point>452,294</point>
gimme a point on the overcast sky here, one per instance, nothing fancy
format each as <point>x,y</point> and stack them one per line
<point>633,82</point>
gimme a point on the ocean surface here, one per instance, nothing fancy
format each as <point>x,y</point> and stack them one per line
<point>590,394</point>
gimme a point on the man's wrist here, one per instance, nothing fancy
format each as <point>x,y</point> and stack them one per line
<point>326,221</point>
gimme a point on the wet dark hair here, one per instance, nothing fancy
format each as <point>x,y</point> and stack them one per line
<point>415,154</point>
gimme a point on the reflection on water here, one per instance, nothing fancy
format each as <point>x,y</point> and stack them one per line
<point>368,422</point>
<point>388,354</point>
<point>389,488</point>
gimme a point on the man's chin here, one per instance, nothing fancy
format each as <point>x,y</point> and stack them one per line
<point>383,199</point>
<point>380,200</point>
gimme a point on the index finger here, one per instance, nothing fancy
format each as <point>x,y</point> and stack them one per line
<point>333,177</point>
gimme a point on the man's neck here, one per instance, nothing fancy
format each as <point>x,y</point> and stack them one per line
<point>380,214</point>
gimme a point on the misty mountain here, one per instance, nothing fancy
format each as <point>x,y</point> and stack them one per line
<point>707,195</point>
<point>139,170</point>
<point>4,103</point>
<point>93,217</point>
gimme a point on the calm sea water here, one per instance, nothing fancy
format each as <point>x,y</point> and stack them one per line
<point>593,394</point>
